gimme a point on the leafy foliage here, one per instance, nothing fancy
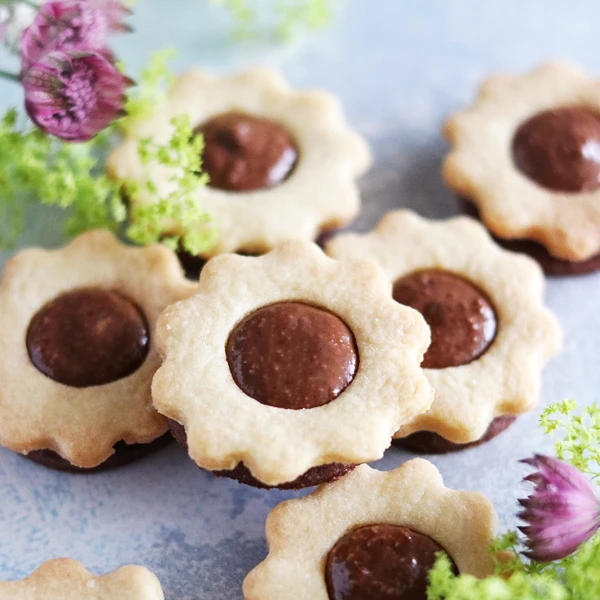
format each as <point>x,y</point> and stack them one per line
<point>579,443</point>
<point>576,577</point>
<point>38,168</point>
<point>35,167</point>
<point>291,15</point>
<point>182,155</point>
<point>155,79</point>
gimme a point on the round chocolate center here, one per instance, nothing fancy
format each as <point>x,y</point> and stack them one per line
<point>461,318</point>
<point>560,149</point>
<point>292,355</point>
<point>88,337</point>
<point>383,562</point>
<point>244,153</point>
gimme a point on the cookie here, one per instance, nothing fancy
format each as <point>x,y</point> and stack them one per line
<point>124,454</point>
<point>242,474</point>
<point>68,579</point>
<point>427,442</point>
<point>554,267</point>
<point>491,334</point>
<point>290,361</point>
<point>282,164</point>
<point>78,347</point>
<point>526,155</point>
<point>372,534</point>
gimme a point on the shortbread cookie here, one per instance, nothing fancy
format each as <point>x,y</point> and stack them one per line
<point>290,361</point>
<point>526,154</point>
<point>282,165</point>
<point>491,334</point>
<point>78,347</point>
<point>373,534</point>
<point>553,267</point>
<point>123,455</point>
<point>68,579</point>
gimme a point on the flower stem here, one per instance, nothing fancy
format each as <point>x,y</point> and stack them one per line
<point>9,76</point>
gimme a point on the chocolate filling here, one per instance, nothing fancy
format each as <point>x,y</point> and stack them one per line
<point>560,149</point>
<point>241,473</point>
<point>383,562</point>
<point>88,337</point>
<point>124,454</point>
<point>243,153</point>
<point>462,320</point>
<point>292,355</point>
<point>427,442</point>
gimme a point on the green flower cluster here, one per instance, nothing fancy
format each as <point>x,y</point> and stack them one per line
<point>36,168</point>
<point>576,577</point>
<point>291,15</point>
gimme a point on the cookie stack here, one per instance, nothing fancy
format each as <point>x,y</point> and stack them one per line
<point>294,366</point>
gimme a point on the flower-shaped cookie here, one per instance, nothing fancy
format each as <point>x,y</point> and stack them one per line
<point>282,164</point>
<point>289,361</point>
<point>491,334</point>
<point>68,579</point>
<point>78,349</point>
<point>372,530</point>
<point>526,154</point>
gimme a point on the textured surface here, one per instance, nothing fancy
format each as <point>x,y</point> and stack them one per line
<point>400,69</point>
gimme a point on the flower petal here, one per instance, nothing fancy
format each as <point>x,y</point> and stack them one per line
<point>561,513</point>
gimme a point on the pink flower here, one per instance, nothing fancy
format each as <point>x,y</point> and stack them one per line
<point>74,95</point>
<point>71,25</point>
<point>563,511</point>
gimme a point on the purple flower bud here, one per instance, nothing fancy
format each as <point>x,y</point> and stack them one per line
<point>563,511</point>
<point>74,95</point>
<point>71,25</point>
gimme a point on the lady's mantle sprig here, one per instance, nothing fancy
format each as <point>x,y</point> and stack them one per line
<point>562,518</point>
<point>42,169</point>
<point>290,15</point>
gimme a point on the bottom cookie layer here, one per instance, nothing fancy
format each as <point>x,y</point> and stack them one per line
<point>427,442</point>
<point>241,473</point>
<point>193,265</point>
<point>551,265</point>
<point>124,454</point>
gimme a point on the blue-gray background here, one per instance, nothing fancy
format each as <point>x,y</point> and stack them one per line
<point>400,67</point>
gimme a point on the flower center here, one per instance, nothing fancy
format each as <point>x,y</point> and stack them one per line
<point>80,93</point>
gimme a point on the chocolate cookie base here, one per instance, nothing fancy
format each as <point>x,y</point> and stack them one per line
<point>427,442</point>
<point>193,265</point>
<point>551,265</point>
<point>124,454</point>
<point>241,473</point>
